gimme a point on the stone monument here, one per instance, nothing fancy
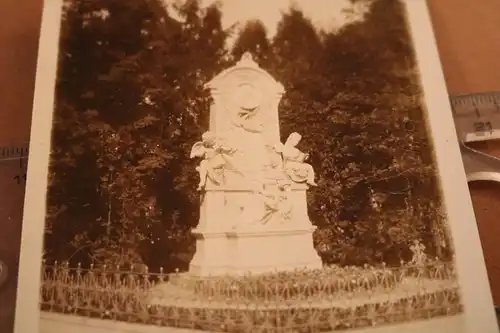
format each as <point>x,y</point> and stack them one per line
<point>253,214</point>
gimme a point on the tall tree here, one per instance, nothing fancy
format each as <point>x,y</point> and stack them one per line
<point>376,123</point>
<point>178,59</point>
<point>296,50</point>
<point>94,37</point>
<point>253,38</point>
<point>137,108</point>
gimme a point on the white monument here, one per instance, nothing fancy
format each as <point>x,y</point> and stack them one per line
<point>253,214</point>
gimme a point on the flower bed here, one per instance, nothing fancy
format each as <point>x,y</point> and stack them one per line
<point>293,285</point>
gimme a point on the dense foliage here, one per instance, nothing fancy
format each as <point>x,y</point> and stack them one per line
<point>131,102</point>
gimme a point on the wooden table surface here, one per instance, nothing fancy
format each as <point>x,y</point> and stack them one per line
<point>19,30</point>
<point>469,51</point>
<point>468,38</point>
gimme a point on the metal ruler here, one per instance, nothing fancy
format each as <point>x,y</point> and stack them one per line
<point>477,118</point>
<point>13,167</point>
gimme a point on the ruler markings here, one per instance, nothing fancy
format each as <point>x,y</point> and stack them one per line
<point>477,116</point>
<point>16,153</point>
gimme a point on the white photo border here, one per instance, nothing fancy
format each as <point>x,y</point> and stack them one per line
<point>479,313</point>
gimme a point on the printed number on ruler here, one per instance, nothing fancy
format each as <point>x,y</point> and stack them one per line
<point>477,116</point>
<point>17,155</point>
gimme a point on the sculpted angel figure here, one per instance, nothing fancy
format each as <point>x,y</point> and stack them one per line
<point>212,151</point>
<point>276,203</point>
<point>294,163</point>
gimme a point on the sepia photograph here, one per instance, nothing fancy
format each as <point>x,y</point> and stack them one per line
<point>246,166</point>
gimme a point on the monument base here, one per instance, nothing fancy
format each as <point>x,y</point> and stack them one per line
<point>211,257</point>
<point>242,252</point>
<point>268,251</point>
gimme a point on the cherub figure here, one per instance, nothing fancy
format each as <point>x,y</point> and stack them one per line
<point>212,151</point>
<point>294,163</point>
<point>276,202</point>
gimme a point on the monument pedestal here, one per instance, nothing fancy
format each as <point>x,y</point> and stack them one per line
<point>254,251</point>
<point>266,251</point>
<point>211,257</point>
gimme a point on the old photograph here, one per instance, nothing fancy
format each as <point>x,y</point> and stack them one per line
<point>244,166</point>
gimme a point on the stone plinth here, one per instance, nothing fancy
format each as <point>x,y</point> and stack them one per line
<point>267,251</point>
<point>252,251</point>
<point>211,257</point>
<point>225,244</point>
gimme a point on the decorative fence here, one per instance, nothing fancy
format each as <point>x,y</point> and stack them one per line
<point>300,301</point>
